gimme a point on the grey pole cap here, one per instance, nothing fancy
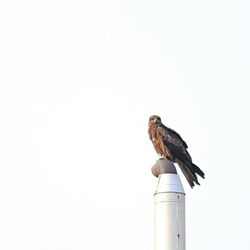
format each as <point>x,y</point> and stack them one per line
<point>163,166</point>
<point>168,179</point>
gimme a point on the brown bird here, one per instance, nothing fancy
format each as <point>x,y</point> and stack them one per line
<point>169,145</point>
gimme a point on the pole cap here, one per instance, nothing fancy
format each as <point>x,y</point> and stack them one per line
<point>169,180</point>
<point>163,166</point>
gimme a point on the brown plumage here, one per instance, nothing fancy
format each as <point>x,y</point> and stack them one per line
<point>169,144</point>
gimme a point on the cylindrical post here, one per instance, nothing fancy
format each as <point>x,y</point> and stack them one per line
<point>169,204</point>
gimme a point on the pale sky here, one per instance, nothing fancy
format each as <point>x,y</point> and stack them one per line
<point>78,81</point>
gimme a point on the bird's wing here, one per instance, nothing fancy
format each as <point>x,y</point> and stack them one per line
<point>176,135</point>
<point>174,143</point>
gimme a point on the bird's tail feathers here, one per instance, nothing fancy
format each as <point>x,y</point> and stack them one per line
<point>189,172</point>
<point>198,171</point>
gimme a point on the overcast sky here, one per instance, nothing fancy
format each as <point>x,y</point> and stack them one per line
<point>78,81</point>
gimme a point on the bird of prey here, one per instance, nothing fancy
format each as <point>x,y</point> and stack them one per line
<point>169,145</point>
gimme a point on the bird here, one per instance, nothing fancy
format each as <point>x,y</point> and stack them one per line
<point>169,145</point>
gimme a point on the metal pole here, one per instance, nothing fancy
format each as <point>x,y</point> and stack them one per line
<point>169,204</point>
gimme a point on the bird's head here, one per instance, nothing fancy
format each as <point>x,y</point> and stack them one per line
<point>154,119</point>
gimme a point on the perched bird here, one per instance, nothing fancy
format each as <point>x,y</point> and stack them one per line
<point>169,145</point>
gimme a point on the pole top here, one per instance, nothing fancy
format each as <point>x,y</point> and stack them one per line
<point>163,166</point>
<point>169,180</point>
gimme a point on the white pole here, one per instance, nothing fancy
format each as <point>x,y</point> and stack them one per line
<point>169,203</point>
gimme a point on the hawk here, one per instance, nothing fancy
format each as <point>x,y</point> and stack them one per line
<point>169,145</point>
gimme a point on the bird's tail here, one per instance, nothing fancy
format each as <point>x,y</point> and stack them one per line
<point>198,171</point>
<point>190,170</point>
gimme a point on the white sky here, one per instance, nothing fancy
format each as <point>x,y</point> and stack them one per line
<point>78,81</point>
